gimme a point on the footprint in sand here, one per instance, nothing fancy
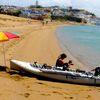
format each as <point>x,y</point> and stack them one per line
<point>16,77</point>
<point>89,96</point>
<point>68,98</point>
<point>28,87</point>
<point>46,94</point>
<point>56,92</point>
<point>41,83</point>
<point>26,95</point>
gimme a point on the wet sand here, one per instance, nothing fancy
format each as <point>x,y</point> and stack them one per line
<point>37,43</point>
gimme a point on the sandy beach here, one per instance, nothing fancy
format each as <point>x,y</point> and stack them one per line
<point>37,43</point>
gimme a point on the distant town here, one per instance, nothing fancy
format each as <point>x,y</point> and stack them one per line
<point>51,13</point>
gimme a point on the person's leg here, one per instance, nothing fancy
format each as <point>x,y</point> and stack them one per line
<point>96,73</point>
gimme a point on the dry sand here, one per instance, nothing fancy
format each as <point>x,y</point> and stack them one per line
<point>37,43</point>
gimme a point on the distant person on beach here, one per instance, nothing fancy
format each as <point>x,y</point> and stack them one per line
<point>43,23</point>
<point>97,71</point>
<point>29,22</point>
<point>60,61</point>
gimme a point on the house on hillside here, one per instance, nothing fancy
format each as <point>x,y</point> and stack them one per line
<point>80,13</point>
<point>58,12</point>
<point>10,8</point>
<point>34,14</point>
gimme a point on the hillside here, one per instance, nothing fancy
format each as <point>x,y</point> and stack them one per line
<point>12,21</point>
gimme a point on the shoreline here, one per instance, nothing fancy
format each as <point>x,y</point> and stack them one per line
<point>82,60</point>
<point>78,64</point>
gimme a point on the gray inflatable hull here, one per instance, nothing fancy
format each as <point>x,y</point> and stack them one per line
<point>65,76</point>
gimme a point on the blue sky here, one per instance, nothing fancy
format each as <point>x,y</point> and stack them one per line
<point>90,5</point>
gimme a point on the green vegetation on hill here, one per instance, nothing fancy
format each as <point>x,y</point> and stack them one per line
<point>65,18</point>
<point>13,13</point>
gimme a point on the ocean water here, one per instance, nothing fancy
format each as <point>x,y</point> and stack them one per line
<point>83,42</point>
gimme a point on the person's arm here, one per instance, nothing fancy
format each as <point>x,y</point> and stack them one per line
<point>93,70</point>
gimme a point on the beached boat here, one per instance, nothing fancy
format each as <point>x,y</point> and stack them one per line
<point>72,76</point>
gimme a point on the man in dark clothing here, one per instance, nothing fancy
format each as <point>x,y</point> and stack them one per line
<point>97,71</point>
<point>60,62</point>
<point>60,59</point>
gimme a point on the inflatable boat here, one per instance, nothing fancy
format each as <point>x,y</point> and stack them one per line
<point>72,76</point>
